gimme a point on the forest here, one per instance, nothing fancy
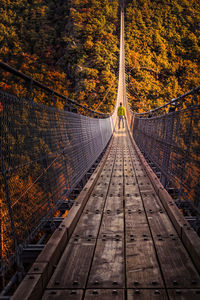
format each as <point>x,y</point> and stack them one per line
<point>162,50</point>
<point>73,46</point>
<point>70,46</point>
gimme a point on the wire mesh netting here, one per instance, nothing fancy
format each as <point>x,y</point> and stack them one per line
<point>172,142</point>
<point>44,154</point>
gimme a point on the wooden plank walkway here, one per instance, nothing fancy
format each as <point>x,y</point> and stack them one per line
<point>124,245</point>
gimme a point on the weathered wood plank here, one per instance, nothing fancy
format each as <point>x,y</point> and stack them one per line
<point>98,294</point>
<point>136,223</point>
<point>108,265</point>
<point>99,191</point>
<point>41,269</point>
<point>116,189</point>
<point>72,218</point>
<point>192,243</point>
<point>128,170</point>
<point>144,294</point>
<point>141,174</point>
<point>30,288</point>
<point>112,225</point>
<point>131,188</point>
<point>146,187</point>
<point>63,294</point>
<point>142,269</point>
<point>151,201</point>
<point>133,200</point>
<point>95,203</point>
<point>177,267</point>
<point>88,225</point>
<point>114,204</point>
<point>73,267</point>
<point>160,224</point>
<point>129,179</point>
<point>53,249</point>
<point>184,294</point>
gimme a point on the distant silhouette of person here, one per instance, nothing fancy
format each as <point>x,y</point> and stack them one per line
<point>121,114</point>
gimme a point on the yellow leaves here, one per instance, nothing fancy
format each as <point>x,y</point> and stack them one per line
<point>89,41</point>
<point>81,96</point>
<point>90,73</point>
<point>101,89</point>
<point>60,105</point>
<point>133,59</point>
<point>169,47</point>
<point>42,10</point>
<point>89,85</point>
<point>88,45</point>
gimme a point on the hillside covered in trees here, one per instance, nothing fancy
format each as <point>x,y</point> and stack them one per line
<point>70,46</point>
<point>73,46</point>
<point>162,50</point>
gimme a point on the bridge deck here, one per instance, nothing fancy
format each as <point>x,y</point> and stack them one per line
<point>124,245</point>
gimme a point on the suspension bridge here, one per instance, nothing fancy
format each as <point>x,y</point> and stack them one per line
<point>124,236</point>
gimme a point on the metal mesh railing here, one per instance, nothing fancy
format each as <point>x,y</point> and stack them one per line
<point>169,137</point>
<point>44,154</point>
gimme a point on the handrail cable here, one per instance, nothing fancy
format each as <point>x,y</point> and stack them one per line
<point>172,102</point>
<point>44,87</point>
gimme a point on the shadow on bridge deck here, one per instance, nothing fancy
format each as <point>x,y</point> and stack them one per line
<point>117,241</point>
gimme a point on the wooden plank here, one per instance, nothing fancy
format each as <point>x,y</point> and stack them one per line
<point>128,171</point>
<point>161,225</point>
<point>136,223</point>
<point>72,218</point>
<point>129,179</point>
<point>177,267</point>
<point>102,294</point>
<point>116,189</point>
<point>142,269</point>
<point>62,295</point>
<point>133,199</point>
<point>104,177</point>
<point>108,265</point>
<point>192,243</point>
<point>41,269</point>
<point>53,249</point>
<point>112,225</point>
<point>146,187</point>
<point>151,201</point>
<point>95,203</point>
<point>177,219</point>
<point>29,289</point>
<point>184,294</point>
<point>88,225</point>
<point>117,176</point>
<point>140,173</point>
<point>73,267</point>
<point>114,204</point>
<point>102,184</point>
<point>99,191</point>
<point>131,189</point>
<point>150,294</point>
<point>127,161</point>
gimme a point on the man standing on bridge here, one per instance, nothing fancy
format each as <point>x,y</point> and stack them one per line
<point>121,114</point>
